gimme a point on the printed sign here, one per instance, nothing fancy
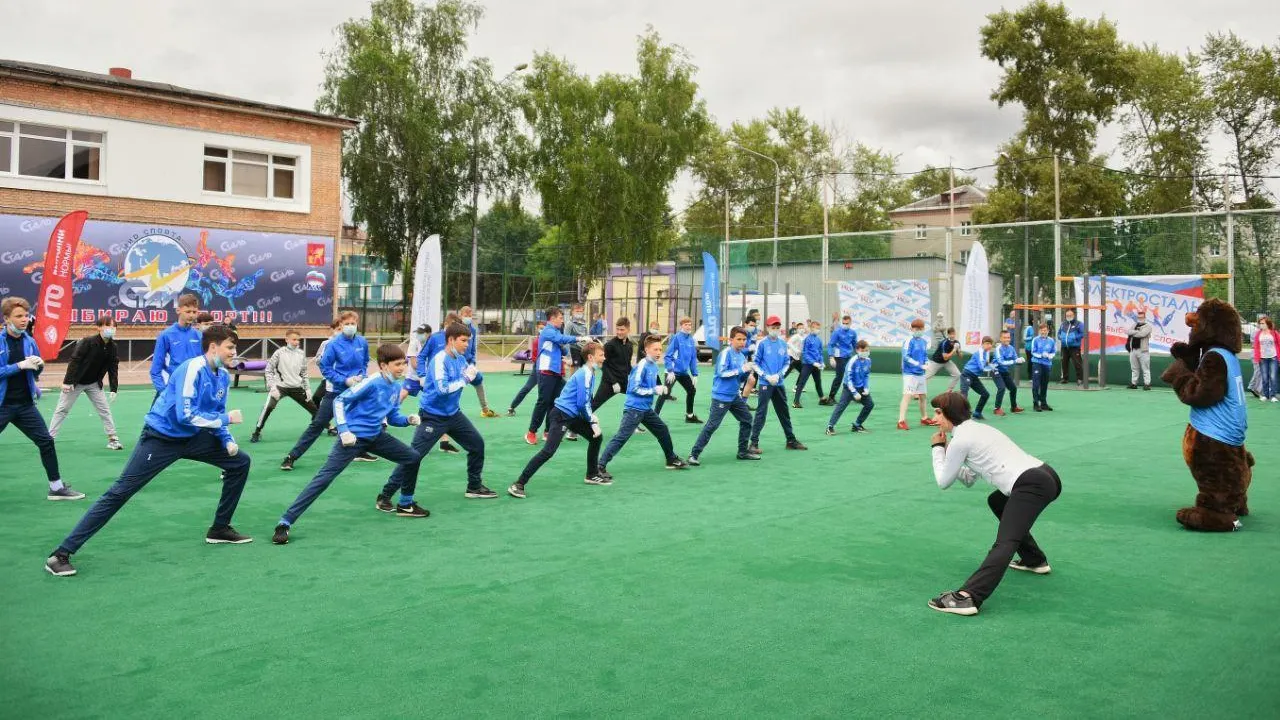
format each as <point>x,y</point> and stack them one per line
<point>1166,299</point>
<point>882,310</point>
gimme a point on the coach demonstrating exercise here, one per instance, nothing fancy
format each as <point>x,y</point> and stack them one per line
<point>1024,488</point>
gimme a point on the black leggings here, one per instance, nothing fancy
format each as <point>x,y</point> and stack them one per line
<point>686,382</point>
<point>1031,494</point>
<point>560,424</point>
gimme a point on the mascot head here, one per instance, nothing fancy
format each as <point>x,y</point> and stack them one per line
<point>1215,324</point>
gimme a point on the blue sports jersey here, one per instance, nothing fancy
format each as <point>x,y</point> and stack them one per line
<point>1225,421</point>
<point>979,362</point>
<point>442,384</point>
<point>343,358</point>
<point>915,353</point>
<point>842,342</point>
<point>857,377</point>
<point>360,409</point>
<point>1006,356</point>
<point>575,398</point>
<point>194,399</point>
<point>728,375</point>
<point>640,385</point>
<point>772,359</point>
<point>1042,350</point>
<point>174,346</point>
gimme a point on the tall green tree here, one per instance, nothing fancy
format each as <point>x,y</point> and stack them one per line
<point>508,233</point>
<point>606,152</point>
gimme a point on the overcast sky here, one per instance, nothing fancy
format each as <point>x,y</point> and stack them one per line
<point>903,75</point>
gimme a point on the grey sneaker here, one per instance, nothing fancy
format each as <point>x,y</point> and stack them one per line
<point>597,480</point>
<point>516,490</point>
<point>1043,569</point>
<point>59,564</point>
<point>65,493</point>
<point>114,444</point>
<point>954,603</point>
<point>693,460</point>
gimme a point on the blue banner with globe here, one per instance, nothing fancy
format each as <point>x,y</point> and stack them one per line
<point>136,272</point>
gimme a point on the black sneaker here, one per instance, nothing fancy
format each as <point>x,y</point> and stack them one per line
<point>1037,408</point>
<point>693,460</point>
<point>675,463</point>
<point>448,447</point>
<point>1046,408</point>
<point>366,457</point>
<point>831,430</point>
<point>954,603</point>
<point>287,463</point>
<point>797,406</point>
<point>1146,387</point>
<point>795,445</point>
<point>511,412</point>
<point>826,401</point>
<point>481,492</point>
<point>640,429</point>
<point>412,510</point>
<point>333,432</point>
<point>516,490</point>
<point>64,493</point>
<point>384,504</point>
<point>1041,569</point>
<point>281,535</point>
<point>603,473</point>
<point>225,535</point>
<point>1133,387</point>
<point>59,564</point>
<point>748,456</point>
<point>597,480</point>
<point>858,429</point>
<point>693,419</point>
<point>255,437</point>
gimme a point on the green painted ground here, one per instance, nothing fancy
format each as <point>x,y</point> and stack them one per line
<point>792,587</point>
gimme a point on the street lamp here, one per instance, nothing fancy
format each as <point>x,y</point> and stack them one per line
<point>777,191</point>
<point>475,186</point>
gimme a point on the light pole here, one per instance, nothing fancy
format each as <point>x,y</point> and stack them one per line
<point>475,186</point>
<point>1026,229</point>
<point>777,192</point>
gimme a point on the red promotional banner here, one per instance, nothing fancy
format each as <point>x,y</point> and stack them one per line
<point>53,303</point>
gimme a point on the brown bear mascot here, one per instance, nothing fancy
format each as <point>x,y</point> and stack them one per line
<point>1206,375</point>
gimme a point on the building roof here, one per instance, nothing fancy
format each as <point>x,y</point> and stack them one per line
<point>130,85</point>
<point>965,196</point>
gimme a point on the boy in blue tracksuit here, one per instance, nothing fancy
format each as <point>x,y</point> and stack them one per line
<point>1028,335</point>
<point>551,343</point>
<point>435,345</point>
<point>468,319</point>
<point>177,343</point>
<point>343,365</point>
<point>840,348</point>
<point>190,421</point>
<point>915,358</point>
<point>1043,348</point>
<point>571,412</point>
<point>749,349</point>
<point>855,387</point>
<point>811,364</point>
<point>642,387</point>
<point>20,366</point>
<point>726,397</point>
<point>360,412</point>
<point>771,363</point>
<point>443,380</point>
<point>1006,358</point>
<point>980,363</point>
<point>681,362</point>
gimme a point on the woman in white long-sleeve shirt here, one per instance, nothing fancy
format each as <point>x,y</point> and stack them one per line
<point>1024,487</point>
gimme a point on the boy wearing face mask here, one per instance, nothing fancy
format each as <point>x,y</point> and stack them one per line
<point>1006,358</point>
<point>344,364</point>
<point>642,387</point>
<point>840,348</point>
<point>286,377</point>
<point>576,325</point>
<point>177,343</point>
<point>1043,348</point>
<point>941,359</point>
<point>771,364</point>
<point>94,357</point>
<point>550,368</point>
<point>204,321</point>
<point>532,381</point>
<point>435,344</point>
<point>855,387</point>
<point>335,329</point>
<point>20,367</point>
<point>915,355</point>
<point>681,363</point>
<point>811,365</point>
<point>468,319</point>
<point>726,398</point>
<point>190,421</point>
<point>443,379</point>
<point>980,363</point>
<point>363,411</point>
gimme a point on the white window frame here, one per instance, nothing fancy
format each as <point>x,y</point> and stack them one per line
<point>70,144</point>
<point>272,164</point>
<point>966,228</point>
<point>922,232</point>
<point>1215,250</point>
<point>964,257</point>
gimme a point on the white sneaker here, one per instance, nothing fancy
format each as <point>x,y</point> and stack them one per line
<point>1037,569</point>
<point>1275,399</point>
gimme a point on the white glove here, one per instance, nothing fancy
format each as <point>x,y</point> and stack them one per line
<point>857,397</point>
<point>28,363</point>
<point>694,379</point>
<point>617,388</point>
<point>234,417</point>
<point>353,381</point>
<point>595,419</point>
<point>748,368</point>
<point>584,339</point>
<point>470,373</point>
<point>414,420</point>
<point>595,430</point>
<point>773,379</point>
<point>348,438</point>
<point>661,390</point>
<point>832,362</point>
<point>671,377</point>
<point>818,365</point>
<point>67,388</point>
<point>111,397</point>
<point>274,393</point>
<point>1020,360</point>
<point>967,476</point>
<point>232,448</point>
<point>37,361</point>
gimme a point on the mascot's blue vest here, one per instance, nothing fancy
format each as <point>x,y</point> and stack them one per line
<point>1226,420</point>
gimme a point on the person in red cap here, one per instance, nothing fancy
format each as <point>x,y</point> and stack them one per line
<point>771,361</point>
<point>915,357</point>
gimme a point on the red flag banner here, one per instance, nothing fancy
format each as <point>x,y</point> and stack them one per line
<point>53,304</point>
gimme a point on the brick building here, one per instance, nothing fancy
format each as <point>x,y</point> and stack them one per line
<point>254,182</point>
<point>928,218</point>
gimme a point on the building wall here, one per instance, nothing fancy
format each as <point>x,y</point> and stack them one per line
<point>935,241</point>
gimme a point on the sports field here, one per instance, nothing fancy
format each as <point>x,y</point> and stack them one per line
<point>791,587</point>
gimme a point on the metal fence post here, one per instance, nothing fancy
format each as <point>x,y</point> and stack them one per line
<point>1084,347</point>
<point>1017,293</point>
<point>786,306</point>
<point>1102,322</point>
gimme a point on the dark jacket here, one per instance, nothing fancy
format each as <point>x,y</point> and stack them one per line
<point>617,361</point>
<point>644,336</point>
<point>93,358</point>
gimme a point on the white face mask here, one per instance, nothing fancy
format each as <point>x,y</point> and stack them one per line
<point>217,362</point>
<point>349,330</point>
<point>466,320</point>
<point>847,325</point>
<point>773,333</point>
<point>917,333</point>
<point>864,354</point>
<point>108,332</point>
<point>13,328</point>
<point>420,336</point>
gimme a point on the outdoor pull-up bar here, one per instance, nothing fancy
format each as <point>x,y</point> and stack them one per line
<point>1051,306</point>
<point>1211,276</point>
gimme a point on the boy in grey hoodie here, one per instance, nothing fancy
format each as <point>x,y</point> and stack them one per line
<point>286,377</point>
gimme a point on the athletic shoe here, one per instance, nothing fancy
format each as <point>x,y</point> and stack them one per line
<point>858,429</point>
<point>1273,398</point>
<point>928,422</point>
<point>366,457</point>
<point>1046,408</point>
<point>333,432</point>
<point>481,492</point>
<point>114,444</point>
<point>831,430</point>
<point>902,425</point>
<point>676,463</point>
<point>796,406</point>
<point>412,510</point>
<point>486,412</point>
<point>516,490</point>
<point>1016,410</point>
<point>1042,569</point>
<point>978,416</point>
<point>954,603</point>
<point>511,412</point>
<point>1038,408</point>
<point>795,445</point>
<point>748,456</point>
<point>826,401</point>
<point>281,535</point>
<point>571,436</point>
<point>1146,387</point>
<point>754,450</point>
<point>640,430</point>
<point>1000,413</point>
<point>287,463</point>
<point>693,460</point>
<point>59,564</point>
<point>65,493</point>
<point>693,419</point>
<point>531,438</point>
<point>1133,387</point>
<point>384,504</point>
<point>225,535</point>
<point>448,447</point>
<point>255,437</point>
<point>603,473</point>
<point>597,480</point>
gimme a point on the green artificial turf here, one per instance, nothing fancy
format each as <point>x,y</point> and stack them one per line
<point>791,587</point>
